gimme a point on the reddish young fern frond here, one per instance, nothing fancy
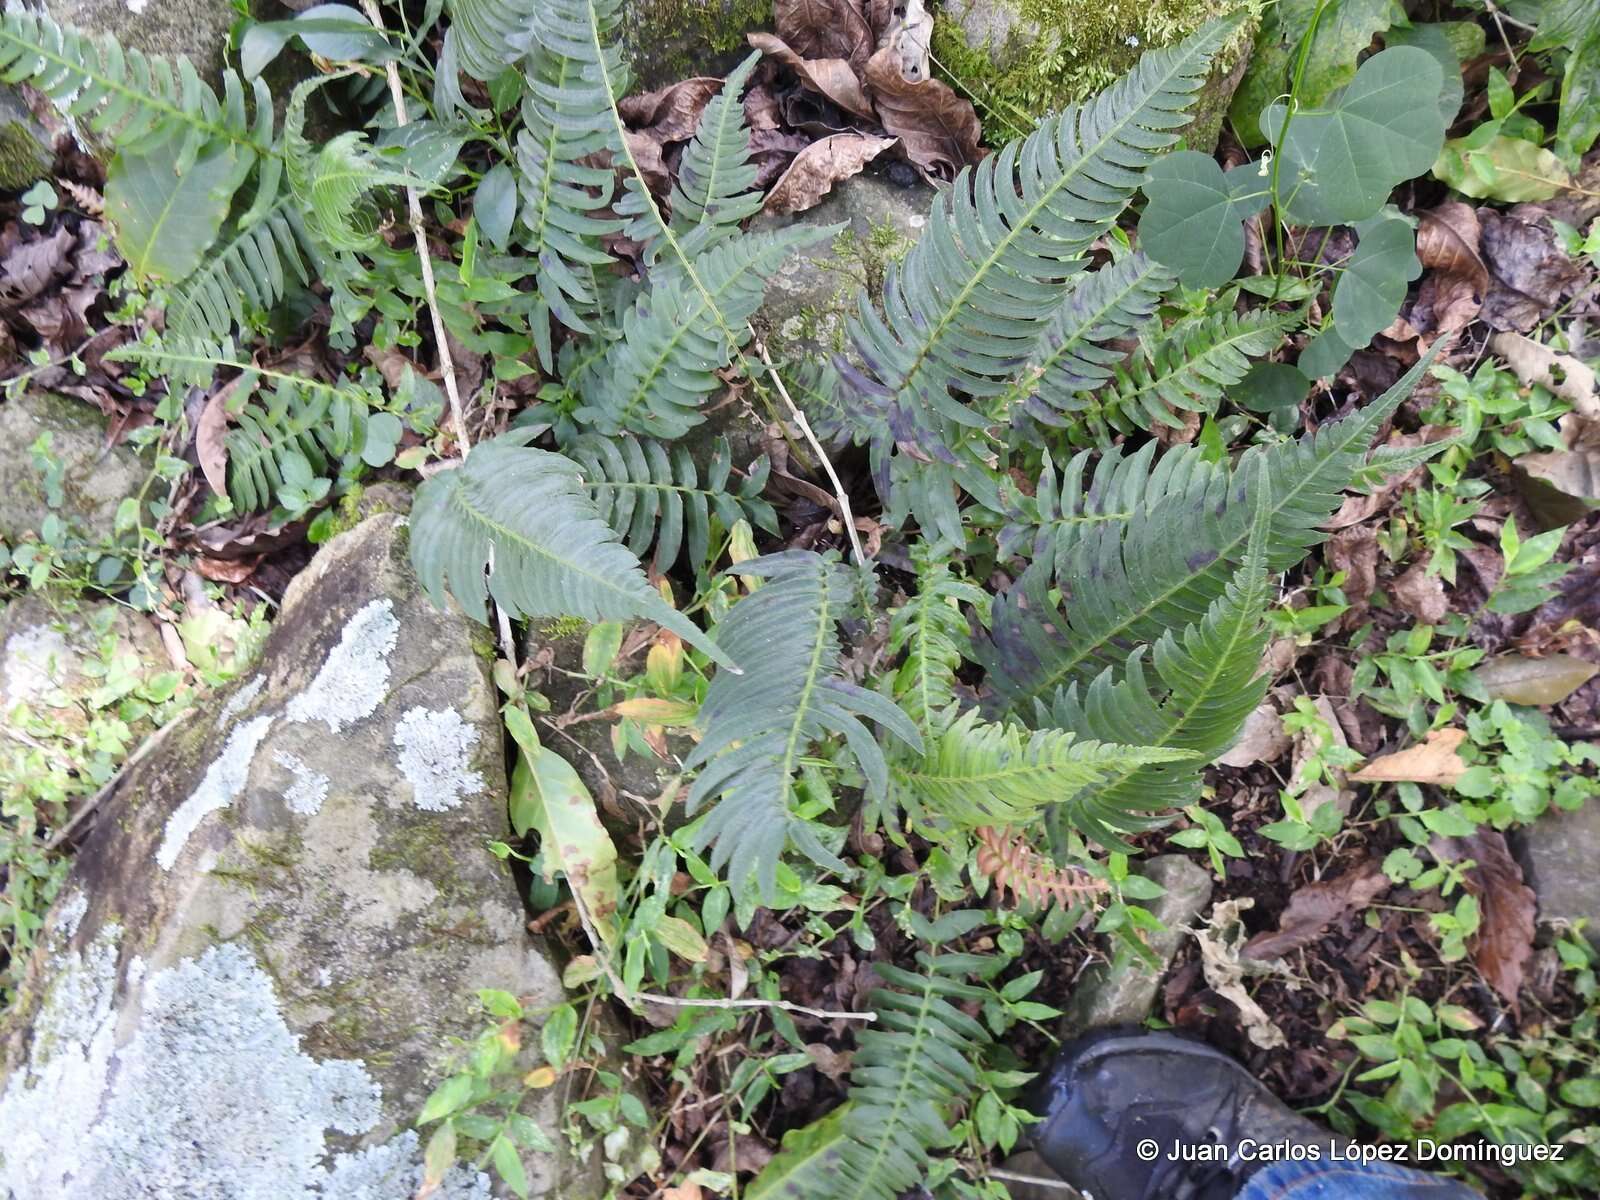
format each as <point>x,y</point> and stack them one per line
<point>1005,856</point>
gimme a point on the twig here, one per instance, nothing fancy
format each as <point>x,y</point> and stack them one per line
<point>822,455</point>
<point>447,366</point>
<point>1035,1180</point>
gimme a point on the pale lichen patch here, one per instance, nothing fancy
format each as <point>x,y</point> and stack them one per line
<point>33,658</point>
<point>309,787</point>
<point>355,678</point>
<point>223,781</point>
<point>435,757</point>
<point>242,699</point>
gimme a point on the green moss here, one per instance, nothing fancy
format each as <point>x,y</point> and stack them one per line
<point>1060,52</point>
<point>563,627</point>
<point>668,40</point>
<point>422,848</point>
<point>22,158</point>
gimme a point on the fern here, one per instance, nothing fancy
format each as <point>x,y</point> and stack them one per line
<point>527,511</point>
<point>653,496</point>
<point>967,306</point>
<point>976,773</point>
<point>487,36</point>
<point>251,271</point>
<point>1189,367</point>
<point>911,1068</point>
<point>654,380</point>
<point>931,631</point>
<point>757,727</point>
<point>305,430</point>
<point>716,184</point>
<point>1126,583</point>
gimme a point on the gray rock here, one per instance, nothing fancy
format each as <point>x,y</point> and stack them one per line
<point>1123,991</point>
<point>50,660</point>
<point>26,150</point>
<point>669,40</point>
<point>94,480</point>
<point>196,28</point>
<point>811,295</point>
<point>1559,853</point>
<point>269,945</point>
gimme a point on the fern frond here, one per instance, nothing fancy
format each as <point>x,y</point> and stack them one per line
<point>1190,366</point>
<point>490,35</point>
<point>759,725</point>
<point>652,495</point>
<point>1126,584</point>
<point>1208,679</point>
<point>333,182</point>
<point>1063,508</point>
<point>965,309</point>
<point>250,271</point>
<point>932,632</point>
<point>1013,865</point>
<point>975,773</point>
<point>304,425</point>
<point>673,342</point>
<point>527,511</point>
<point>716,185</point>
<point>565,194</point>
<point>912,1067</point>
<point>1069,357</point>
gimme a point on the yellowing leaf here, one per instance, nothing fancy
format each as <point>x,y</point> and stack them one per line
<point>681,938</point>
<point>1434,761</point>
<point>656,712</point>
<point>540,1077</point>
<point>548,797</point>
<point>1518,679</point>
<point>1503,168</point>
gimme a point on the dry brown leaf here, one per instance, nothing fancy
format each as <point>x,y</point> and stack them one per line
<point>1434,761</point>
<point>1355,552</point>
<point>1447,241</point>
<point>1263,740</point>
<point>210,437</point>
<point>683,1191</point>
<point>939,129</point>
<point>1421,595</point>
<point>826,29</point>
<point>226,570</point>
<point>1518,679</point>
<point>834,78</point>
<point>32,266</point>
<point>819,166</point>
<point>1315,906</point>
<point>911,36</point>
<point>1507,909</point>
<point>1563,374</point>
<point>672,113</point>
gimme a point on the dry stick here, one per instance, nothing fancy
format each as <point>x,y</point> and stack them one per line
<point>822,455</point>
<point>1035,1180</point>
<point>447,366</point>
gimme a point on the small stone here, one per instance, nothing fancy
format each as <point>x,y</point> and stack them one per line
<point>1559,853</point>
<point>1123,991</point>
<point>48,657</point>
<point>197,29</point>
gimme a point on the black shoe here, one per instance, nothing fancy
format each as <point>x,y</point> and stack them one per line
<point>1153,1116</point>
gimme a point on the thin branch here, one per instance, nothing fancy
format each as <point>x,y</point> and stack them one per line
<point>822,455</point>
<point>447,366</point>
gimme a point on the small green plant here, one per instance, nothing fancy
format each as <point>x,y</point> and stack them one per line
<point>38,202</point>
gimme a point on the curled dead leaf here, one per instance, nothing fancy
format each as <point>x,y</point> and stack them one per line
<point>938,129</point>
<point>1264,739</point>
<point>1563,374</point>
<point>826,29</point>
<point>1447,241</point>
<point>1315,906</point>
<point>1421,595</point>
<point>671,113</point>
<point>819,166</point>
<point>1433,761</point>
<point>834,78</point>
<point>1507,908</point>
<point>1518,679</point>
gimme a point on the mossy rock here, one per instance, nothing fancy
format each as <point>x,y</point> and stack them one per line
<point>94,480</point>
<point>669,40</point>
<point>25,152</point>
<point>1021,59</point>
<point>197,29</point>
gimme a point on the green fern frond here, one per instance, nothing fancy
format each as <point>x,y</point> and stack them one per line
<point>528,512</point>
<point>333,183</point>
<point>250,271</point>
<point>1069,358</point>
<point>1190,366</point>
<point>976,773</point>
<point>488,36</point>
<point>969,302</point>
<point>912,1067</point>
<point>1126,584</point>
<point>758,726</point>
<point>931,630</point>
<point>673,344</point>
<point>716,185</point>
<point>305,430</point>
<point>652,494</point>
<point>1208,680</point>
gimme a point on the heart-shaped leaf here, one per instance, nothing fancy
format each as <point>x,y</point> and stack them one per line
<point>1193,222</point>
<point>1343,160</point>
<point>1373,285</point>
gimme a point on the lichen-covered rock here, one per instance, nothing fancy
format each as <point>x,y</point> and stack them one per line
<point>1559,852</point>
<point>669,40</point>
<point>809,298</point>
<point>1022,58</point>
<point>92,482</point>
<point>196,28</point>
<point>54,662</point>
<point>1123,991</point>
<point>273,936</point>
